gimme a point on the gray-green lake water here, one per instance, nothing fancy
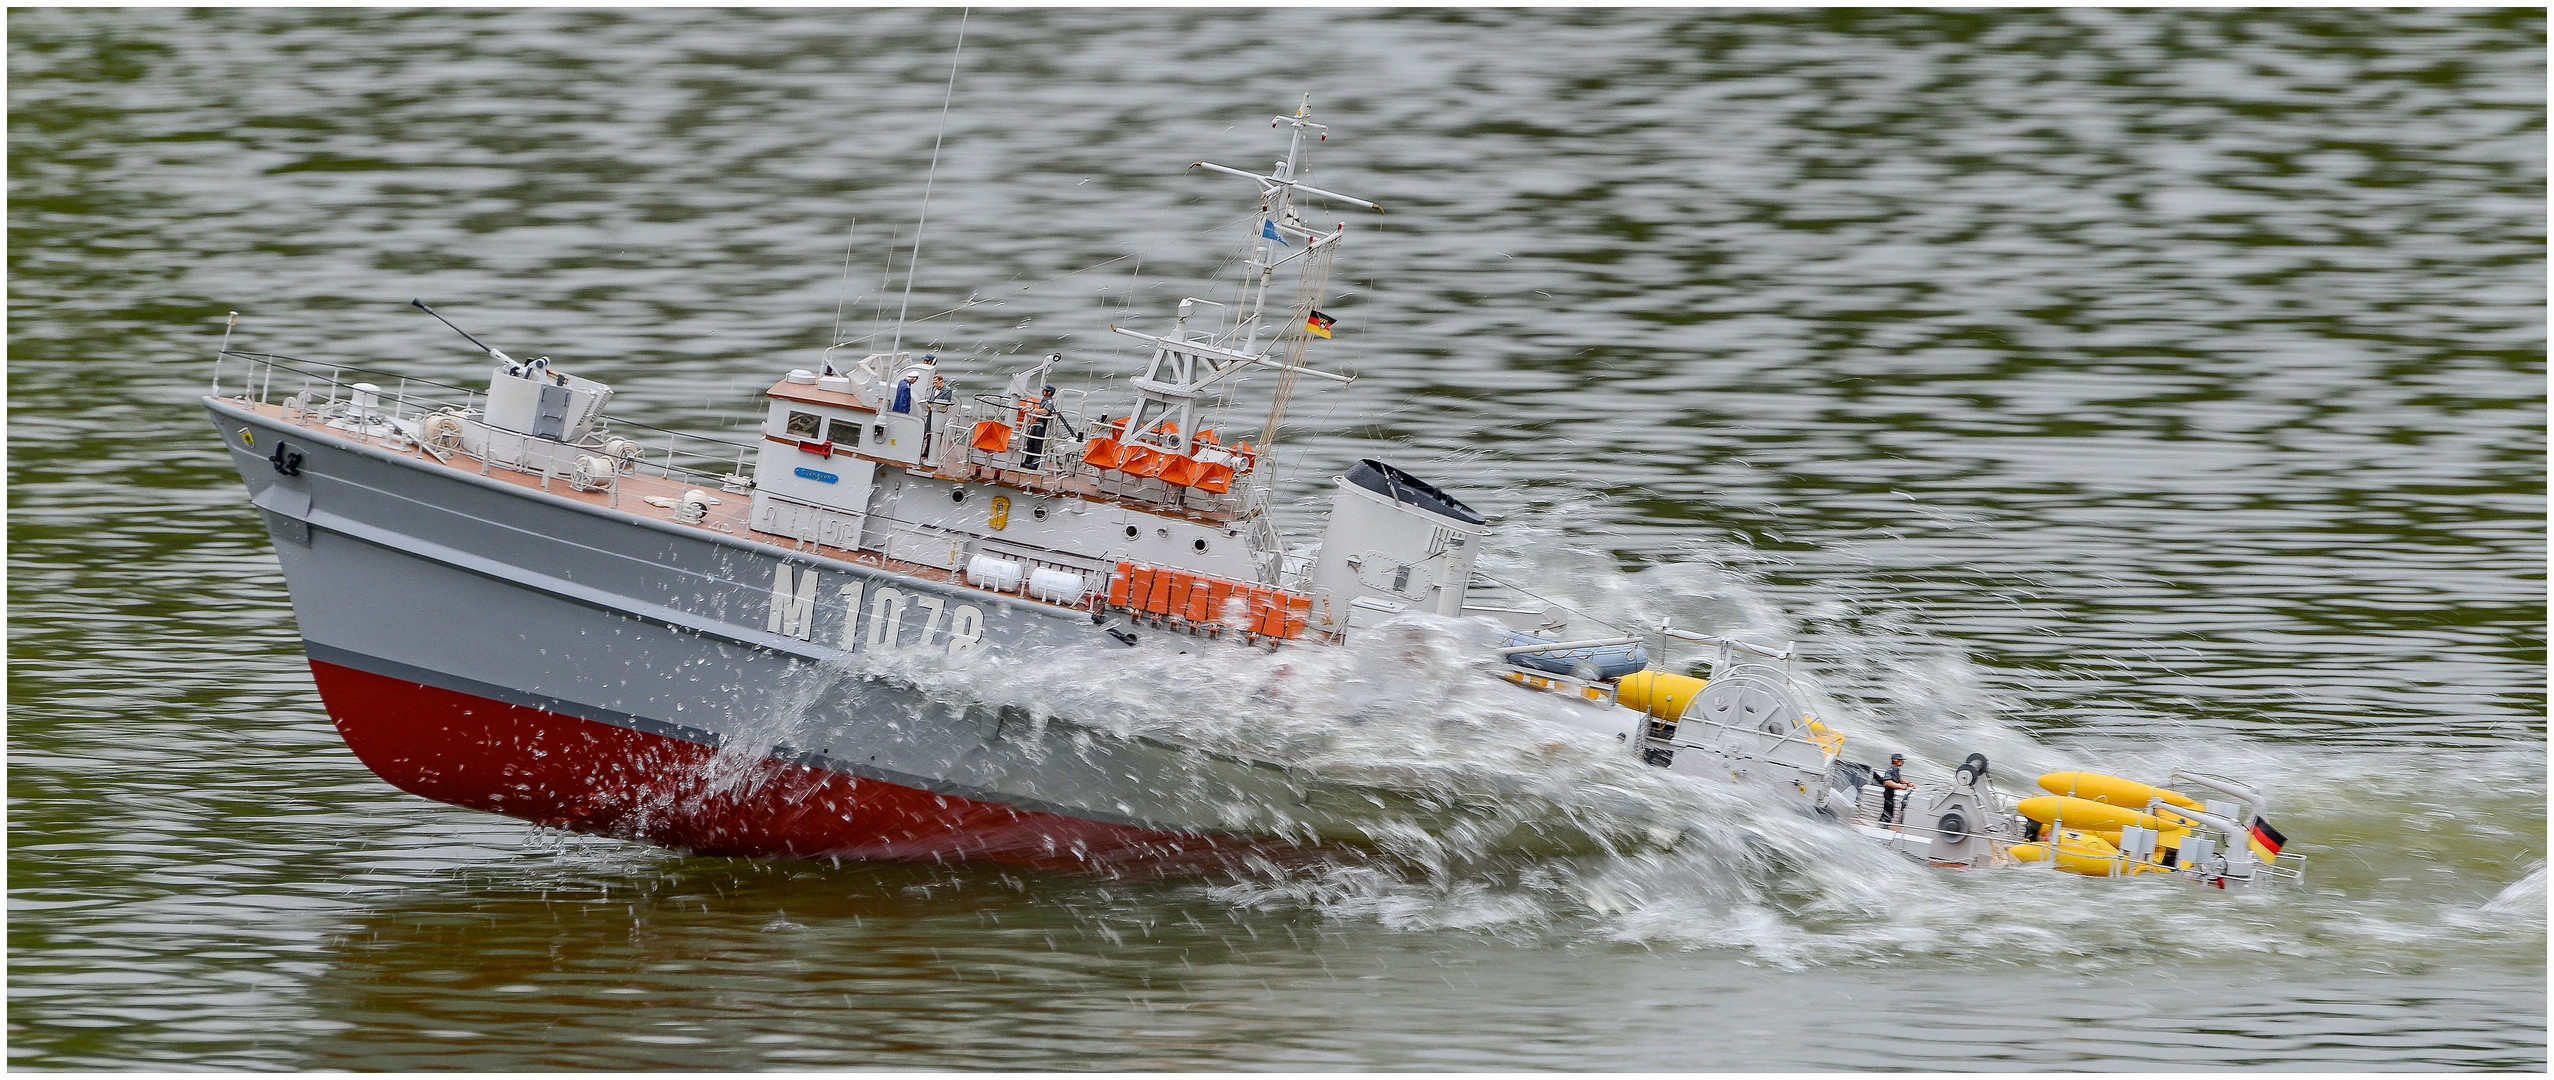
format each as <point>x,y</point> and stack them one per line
<point>2116,389</point>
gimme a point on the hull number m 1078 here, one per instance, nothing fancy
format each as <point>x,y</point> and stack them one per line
<point>954,627</point>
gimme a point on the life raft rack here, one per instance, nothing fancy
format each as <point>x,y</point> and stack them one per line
<point>1203,603</point>
<point>1212,468</point>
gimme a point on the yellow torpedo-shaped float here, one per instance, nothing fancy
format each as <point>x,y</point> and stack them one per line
<point>1748,722</point>
<point>2106,826</point>
<point>2093,825</point>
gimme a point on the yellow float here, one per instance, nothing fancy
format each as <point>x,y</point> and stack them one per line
<point>2095,787</point>
<point>2088,815</point>
<point>1666,695</point>
<point>2166,839</point>
<point>1657,693</point>
<point>2083,853</point>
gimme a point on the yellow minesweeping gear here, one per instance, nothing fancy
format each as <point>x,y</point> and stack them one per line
<point>2086,853</point>
<point>1657,693</point>
<point>1665,696</point>
<point>2115,792</point>
<point>2095,787</point>
<point>2094,816</point>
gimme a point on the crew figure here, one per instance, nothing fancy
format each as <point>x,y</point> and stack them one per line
<point>904,396</point>
<point>1038,416</point>
<point>936,409</point>
<point>1892,782</point>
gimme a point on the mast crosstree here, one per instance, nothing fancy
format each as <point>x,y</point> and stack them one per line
<point>1186,362</point>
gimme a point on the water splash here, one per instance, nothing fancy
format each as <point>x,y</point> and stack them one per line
<point>2523,900</point>
<point>1512,815</point>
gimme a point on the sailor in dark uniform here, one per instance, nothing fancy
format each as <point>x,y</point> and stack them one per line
<point>1039,414</point>
<point>1892,808</point>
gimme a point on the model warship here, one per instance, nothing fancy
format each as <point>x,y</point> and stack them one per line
<point>513,604</point>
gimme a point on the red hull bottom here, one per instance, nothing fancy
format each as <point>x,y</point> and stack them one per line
<point>592,777</point>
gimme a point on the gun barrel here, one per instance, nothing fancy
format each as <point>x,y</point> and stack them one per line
<point>484,346</point>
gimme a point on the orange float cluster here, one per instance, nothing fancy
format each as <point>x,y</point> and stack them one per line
<point>1211,468</point>
<point>1209,603</point>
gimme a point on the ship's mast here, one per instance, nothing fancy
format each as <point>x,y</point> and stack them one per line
<point>1277,215</point>
<point>1275,207</point>
<point>1185,362</point>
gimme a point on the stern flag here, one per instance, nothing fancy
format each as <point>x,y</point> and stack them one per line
<point>2269,837</point>
<point>1268,228</point>
<point>1319,324</point>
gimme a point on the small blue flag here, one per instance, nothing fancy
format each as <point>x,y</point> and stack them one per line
<point>1268,229</point>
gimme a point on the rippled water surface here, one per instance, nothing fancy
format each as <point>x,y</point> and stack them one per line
<point>2117,389</point>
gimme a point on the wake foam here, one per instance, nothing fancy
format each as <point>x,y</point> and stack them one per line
<point>1552,831</point>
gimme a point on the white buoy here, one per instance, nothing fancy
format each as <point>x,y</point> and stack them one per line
<point>1056,586</point>
<point>999,575</point>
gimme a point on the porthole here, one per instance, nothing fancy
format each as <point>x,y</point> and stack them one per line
<point>957,495</point>
<point>1200,544</point>
<point>1132,532</point>
<point>1038,511</point>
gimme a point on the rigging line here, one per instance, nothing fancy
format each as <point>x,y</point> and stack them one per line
<point>928,175</point>
<point>971,302</point>
<point>1137,253</point>
<point>974,301</point>
<point>844,297</point>
<point>1310,285</point>
<point>886,281</point>
<point>1548,600</point>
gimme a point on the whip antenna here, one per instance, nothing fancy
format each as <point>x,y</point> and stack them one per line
<point>844,297</point>
<point>927,175</point>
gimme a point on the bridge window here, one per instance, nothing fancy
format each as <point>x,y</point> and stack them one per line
<point>805,425</point>
<point>846,432</point>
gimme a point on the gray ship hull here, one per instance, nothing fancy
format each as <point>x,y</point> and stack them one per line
<point>488,644</point>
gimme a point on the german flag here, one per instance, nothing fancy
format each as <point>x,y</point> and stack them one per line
<point>1319,324</point>
<point>2270,838</point>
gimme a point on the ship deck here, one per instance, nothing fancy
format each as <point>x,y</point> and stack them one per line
<point>629,493</point>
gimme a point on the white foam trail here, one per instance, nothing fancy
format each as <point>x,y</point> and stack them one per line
<point>1686,863</point>
<point>1407,707</point>
<point>2523,899</point>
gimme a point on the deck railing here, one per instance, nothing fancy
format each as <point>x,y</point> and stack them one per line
<point>323,392</point>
